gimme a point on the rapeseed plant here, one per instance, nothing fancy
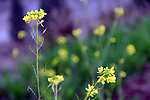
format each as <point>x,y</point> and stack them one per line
<point>100,30</point>
<point>61,40</point>
<point>130,49</point>
<point>77,32</point>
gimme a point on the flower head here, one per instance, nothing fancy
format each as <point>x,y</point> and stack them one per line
<point>15,52</point>
<point>121,60</point>
<point>63,53</point>
<point>21,34</point>
<point>75,58</point>
<point>84,48</point>
<point>91,91</point>
<point>76,32</point>
<point>61,40</point>
<point>54,62</point>
<point>112,40</point>
<point>130,49</point>
<point>56,79</point>
<point>96,53</point>
<point>122,74</point>
<point>100,30</point>
<point>119,11</point>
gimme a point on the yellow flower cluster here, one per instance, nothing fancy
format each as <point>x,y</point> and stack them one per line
<point>34,15</point>
<point>112,40</point>
<point>91,91</point>
<point>61,40</point>
<point>96,53</point>
<point>84,48</point>
<point>63,54</point>
<point>122,74</point>
<point>54,62</point>
<point>119,11</point>
<point>100,30</point>
<point>21,34</point>
<point>130,49</point>
<point>121,60</point>
<point>76,32</point>
<point>55,80</point>
<point>106,75</point>
<point>75,58</point>
<point>15,52</point>
<point>49,72</point>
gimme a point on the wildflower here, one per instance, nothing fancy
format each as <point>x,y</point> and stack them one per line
<point>76,32</point>
<point>91,90</point>
<point>63,53</point>
<point>100,69</point>
<point>15,52</point>
<point>130,49</point>
<point>111,79</point>
<point>112,40</point>
<point>122,74</point>
<point>56,79</point>
<point>101,79</point>
<point>109,72</point>
<point>21,34</point>
<point>75,58</point>
<point>100,30</point>
<point>119,11</point>
<point>121,60</point>
<point>35,15</point>
<point>61,40</point>
<point>50,72</point>
<point>84,48</point>
<point>54,62</point>
<point>96,53</point>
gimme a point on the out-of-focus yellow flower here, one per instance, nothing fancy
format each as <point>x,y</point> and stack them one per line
<point>34,15</point>
<point>76,32</point>
<point>54,62</point>
<point>63,53</point>
<point>41,39</point>
<point>75,58</point>
<point>48,73</point>
<point>100,30</point>
<point>130,49</point>
<point>113,65</point>
<point>61,40</point>
<point>122,74</point>
<point>96,53</point>
<point>55,80</point>
<point>119,11</point>
<point>21,34</point>
<point>91,90</point>
<point>121,60</point>
<point>111,79</point>
<point>112,40</point>
<point>68,71</point>
<point>84,48</point>
<point>15,52</point>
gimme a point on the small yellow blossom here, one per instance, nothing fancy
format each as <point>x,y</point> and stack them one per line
<point>121,60</point>
<point>100,30</point>
<point>119,11</point>
<point>100,69</point>
<point>101,79</point>
<point>111,79</point>
<point>15,52</point>
<point>56,79</point>
<point>27,19</point>
<point>61,40</point>
<point>63,53</point>
<point>122,74</point>
<point>21,34</point>
<point>96,53</point>
<point>54,62</point>
<point>50,72</point>
<point>76,32</point>
<point>84,48</point>
<point>130,49</point>
<point>112,40</point>
<point>91,90</point>
<point>75,58</point>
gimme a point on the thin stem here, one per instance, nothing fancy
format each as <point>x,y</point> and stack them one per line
<point>56,93</point>
<point>37,60</point>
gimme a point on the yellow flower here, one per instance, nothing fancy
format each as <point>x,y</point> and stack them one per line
<point>34,17</point>
<point>54,62</point>
<point>121,60</point>
<point>84,48</point>
<point>100,69</point>
<point>76,32</point>
<point>75,58</point>
<point>21,34</point>
<point>42,14</point>
<point>27,19</point>
<point>63,53</point>
<point>61,40</point>
<point>100,30</point>
<point>112,40</point>
<point>111,79</point>
<point>15,52</point>
<point>91,90</point>
<point>41,39</point>
<point>96,53</point>
<point>101,79</point>
<point>119,11</point>
<point>50,72</point>
<point>109,72</point>
<point>56,79</point>
<point>130,49</point>
<point>122,74</point>
<point>113,65</point>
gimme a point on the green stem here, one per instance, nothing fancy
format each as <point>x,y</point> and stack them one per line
<point>56,93</point>
<point>37,60</point>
